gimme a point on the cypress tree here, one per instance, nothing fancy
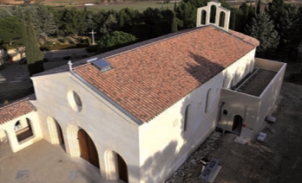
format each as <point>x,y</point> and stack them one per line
<point>174,23</point>
<point>258,7</point>
<point>33,54</point>
<point>121,20</point>
<point>233,21</point>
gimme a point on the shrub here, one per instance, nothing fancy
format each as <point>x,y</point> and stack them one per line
<point>61,40</point>
<point>115,40</point>
<point>48,43</point>
<point>88,40</point>
<point>67,58</point>
<point>91,49</point>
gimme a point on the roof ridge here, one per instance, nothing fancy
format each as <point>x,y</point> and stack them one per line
<point>179,34</point>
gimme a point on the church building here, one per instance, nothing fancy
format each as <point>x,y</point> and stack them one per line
<point>138,112</point>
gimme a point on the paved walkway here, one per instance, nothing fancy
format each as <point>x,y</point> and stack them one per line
<point>66,52</point>
<point>46,163</point>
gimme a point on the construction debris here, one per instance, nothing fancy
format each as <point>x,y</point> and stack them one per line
<point>271,119</point>
<point>261,136</point>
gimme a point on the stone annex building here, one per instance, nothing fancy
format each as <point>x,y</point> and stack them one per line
<point>138,112</point>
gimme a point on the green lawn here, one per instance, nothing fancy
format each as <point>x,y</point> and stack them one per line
<point>141,6</point>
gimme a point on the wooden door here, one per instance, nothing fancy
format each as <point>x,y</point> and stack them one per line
<point>122,169</point>
<point>93,154</point>
<point>87,148</point>
<point>83,144</point>
<point>237,124</point>
<point>60,134</point>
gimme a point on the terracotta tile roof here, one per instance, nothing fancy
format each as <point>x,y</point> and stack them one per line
<point>245,38</point>
<point>16,109</point>
<point>147,80</point>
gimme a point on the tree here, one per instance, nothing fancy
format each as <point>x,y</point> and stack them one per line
<point>250,13</point>
<point>9,29</point>
<point>244,8</point>
<point>186,13</point>
<point>33,54</point>
<point>174,24</point>
<point>290,32</point>
<point>258,7</point>
<point>109,25</point>
<point>262,28</point>
<point>73,22</point>
<point>115,40</point>
<point>275,10</point>
<point>121,21</point>
<point>46,21</point>
<point>233,20</point>
<point>5,12</point>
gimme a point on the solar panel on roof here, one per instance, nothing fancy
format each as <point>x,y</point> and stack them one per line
<point>102,65</point>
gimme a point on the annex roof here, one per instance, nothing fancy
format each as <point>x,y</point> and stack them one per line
<point>146,79</point>
<point>16,109</point>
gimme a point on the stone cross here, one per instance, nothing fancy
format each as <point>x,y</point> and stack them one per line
<point>70,65</point>
<point>92,36</point>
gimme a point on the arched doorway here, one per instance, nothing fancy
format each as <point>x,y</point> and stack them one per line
<point>237,124</point>
<point>116,167</point>
<point>122,168</point>
<point>23,130</point>
<point>87,148</point>
<point>55,132</point>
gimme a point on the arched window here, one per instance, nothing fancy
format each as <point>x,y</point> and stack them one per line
<point>203,17</point>
<point>186,119</point>
<point>23,132</point>
<point>213,14</point>
<point>208,101</point>
<point>221,19</point>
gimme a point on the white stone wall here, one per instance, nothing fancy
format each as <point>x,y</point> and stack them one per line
<point>270,95</point>
<point>252,109</point>
<point>109,129</point>
<point>236,103</point>
<point>9,128</point>
<point>163,144</point>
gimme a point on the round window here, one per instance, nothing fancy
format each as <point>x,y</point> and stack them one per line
<point>74,101</point>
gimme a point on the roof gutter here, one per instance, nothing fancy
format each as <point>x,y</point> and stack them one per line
<point>108,99</point>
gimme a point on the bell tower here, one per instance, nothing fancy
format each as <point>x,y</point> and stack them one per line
<point>222,15</point>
